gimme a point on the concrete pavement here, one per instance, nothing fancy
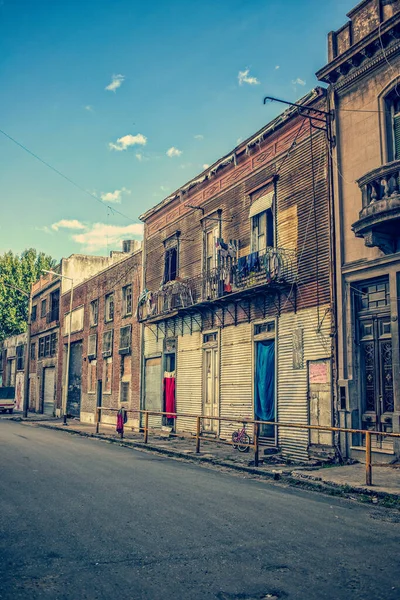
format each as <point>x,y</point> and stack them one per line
<point>82,520</point>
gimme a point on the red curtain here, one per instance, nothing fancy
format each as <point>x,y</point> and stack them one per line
<point>169,394</point>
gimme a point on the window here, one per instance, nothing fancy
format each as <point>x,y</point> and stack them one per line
<point>107,342</point>
<point>107,376</point>
<point>262,228</point>
<point>109,308</point>
<point>124,394</point>
<point>48,345</point>
<point>20,357</point>
<point>375,295</point>
<point>33,351</point>
<point>264,327</point>
<point>94,313</point>
<point>170,264</point>
<point>54,305</point>
<point>125,340</point>
<point>211,249</point>
<point>392,112</point>
<point>92,346</point>
<point>43,308</point>
<point>209,338</point>
<point>34,313</point>
<point>127,300</point>
<point>92,376</point>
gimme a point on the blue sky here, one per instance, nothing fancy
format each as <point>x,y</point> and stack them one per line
<point>172,69</point>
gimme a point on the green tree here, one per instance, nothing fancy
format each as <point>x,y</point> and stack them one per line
<point>18,271</point>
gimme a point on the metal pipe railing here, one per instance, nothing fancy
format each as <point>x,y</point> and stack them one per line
<point>256,429</point>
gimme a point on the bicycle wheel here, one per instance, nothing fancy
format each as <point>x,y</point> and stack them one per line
<point>235,436</point>
<point>244,443</point>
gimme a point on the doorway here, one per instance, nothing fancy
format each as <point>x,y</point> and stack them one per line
<point>375,347</point>
<point>210,382</point>
<point>48,391</point>
<point>75,380</point>
<point>264,380</point>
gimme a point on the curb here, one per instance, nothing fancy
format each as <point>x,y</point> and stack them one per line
<point>303,481</point>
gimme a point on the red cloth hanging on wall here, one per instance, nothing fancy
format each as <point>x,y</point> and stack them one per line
<point>169,394</point>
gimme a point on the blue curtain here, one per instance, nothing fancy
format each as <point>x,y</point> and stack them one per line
<point>265,381</point>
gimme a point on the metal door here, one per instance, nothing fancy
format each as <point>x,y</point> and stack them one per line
<point>210,396</point>
<point>75,380</point>
<point>48,391</point>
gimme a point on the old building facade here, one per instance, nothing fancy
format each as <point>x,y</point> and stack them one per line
<point>45,324</point>
<point>12,365</point>
<point>104,365</point>
<point>363,76</point>
<point>236,306</point>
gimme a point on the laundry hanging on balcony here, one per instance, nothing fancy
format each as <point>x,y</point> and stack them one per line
<point>169,394</point>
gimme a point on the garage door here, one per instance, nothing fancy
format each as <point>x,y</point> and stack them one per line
<point>48,398</point>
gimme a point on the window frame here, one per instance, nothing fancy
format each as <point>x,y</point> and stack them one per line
<point>33,351</point>
<point>127,386</point>
<point>34,313</point>
<point>108,361</point>
<point>92,355</point>
<point>125,349</point>
<point>125,311</point>
<point>109,307</point>
<point>94,313</point>
<point>43,308</point>
<point>267,233</point>
<point>107,353</point>
<point>54,310</point>
<point>20,357</point>
<point>92,368</point>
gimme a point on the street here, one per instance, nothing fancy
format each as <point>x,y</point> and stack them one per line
<point>84,519</point>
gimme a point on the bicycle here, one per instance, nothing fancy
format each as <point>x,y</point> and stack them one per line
<point>241,440</point>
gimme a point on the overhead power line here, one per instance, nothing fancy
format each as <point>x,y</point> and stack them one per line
<point>79,187</point>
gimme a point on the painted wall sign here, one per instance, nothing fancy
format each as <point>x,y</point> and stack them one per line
<point>318,371</point>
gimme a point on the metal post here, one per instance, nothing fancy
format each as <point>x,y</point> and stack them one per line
<point>368,466</point>
<point>198,427</point>
<point>66,377</point>
<point>256,449</point>
<point>98,419</point>
<point>27,357</point>
<point>146,426</point>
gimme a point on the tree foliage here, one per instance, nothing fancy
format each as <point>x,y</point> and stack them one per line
<point>19,271</point>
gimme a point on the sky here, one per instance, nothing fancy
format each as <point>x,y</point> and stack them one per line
<point>130,99</point>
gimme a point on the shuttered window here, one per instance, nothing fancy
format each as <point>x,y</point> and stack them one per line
<point>396,135</point>
<point>124,396</point>
<point>107,377</point>
<point>20,357</point>
<point>92,376</point>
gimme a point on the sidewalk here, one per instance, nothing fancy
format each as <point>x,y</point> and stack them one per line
<point>344,480</point>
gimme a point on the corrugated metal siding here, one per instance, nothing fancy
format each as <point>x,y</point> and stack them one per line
<point>293,384</point>
<point>236,376</point>
<point>188,380</point>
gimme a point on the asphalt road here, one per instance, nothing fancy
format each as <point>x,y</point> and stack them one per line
<point>83,519</point>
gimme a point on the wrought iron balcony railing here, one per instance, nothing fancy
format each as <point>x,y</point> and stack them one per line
<point>270,267</point>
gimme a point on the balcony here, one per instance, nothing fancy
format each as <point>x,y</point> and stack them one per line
<point>379,219</point>
<point>268,269</point>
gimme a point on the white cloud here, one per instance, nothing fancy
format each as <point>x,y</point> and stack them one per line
<point>185,165</point>
<point>89,107</point>
<point>128,140</point>
<point>298,81</point>
<point>173,152</point>
<point>164,188</point>
<point>45,229</point>
<point>115,196</point>
<point>244,77</point>
<point>239,140</point>
<point>277,67</point>
<point>116,82</point>
<point>100,235</point>
<point>199,136</point>
<point>68,224</point>
<point>139,156</point>
<point>205,166</point>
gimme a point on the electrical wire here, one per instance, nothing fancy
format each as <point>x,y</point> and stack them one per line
<point>386,58</point>
<point>71,181</point>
